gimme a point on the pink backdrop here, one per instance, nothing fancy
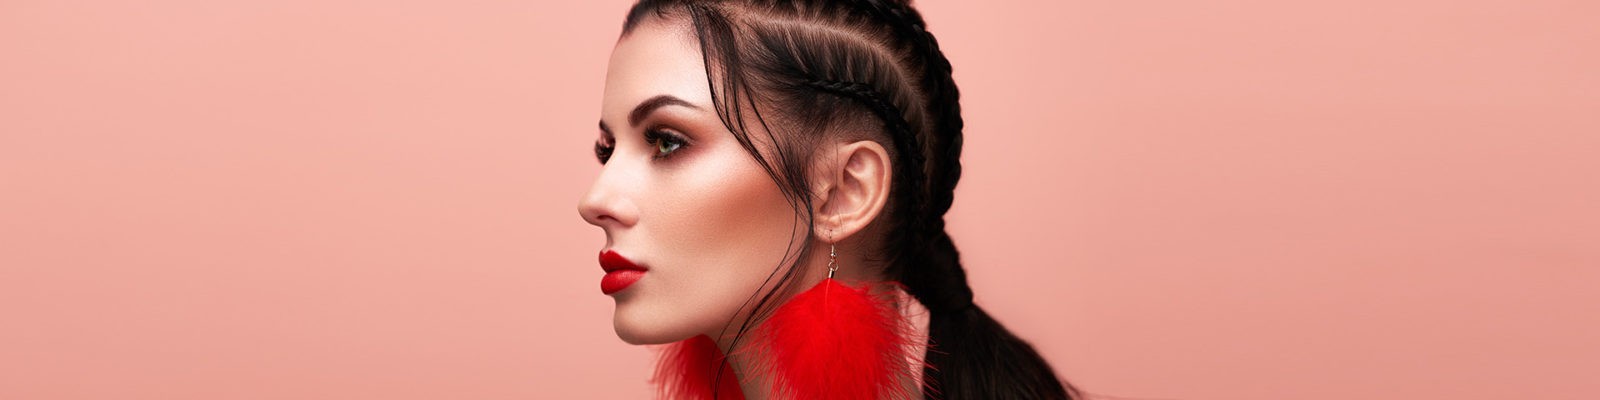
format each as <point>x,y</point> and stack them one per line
<point>1175,200</point>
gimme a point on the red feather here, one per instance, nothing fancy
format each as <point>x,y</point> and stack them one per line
<point>688,370</point>
<point>836,342</point>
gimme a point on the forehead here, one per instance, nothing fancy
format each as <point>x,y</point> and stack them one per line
<point>658,57</point>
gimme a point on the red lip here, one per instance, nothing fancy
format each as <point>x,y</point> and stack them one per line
<point>620,272</point>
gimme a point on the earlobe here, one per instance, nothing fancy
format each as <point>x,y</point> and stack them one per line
<point>855,189</point>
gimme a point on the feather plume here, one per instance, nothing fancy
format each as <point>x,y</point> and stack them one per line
<point>687,370</point>
<point>835,341</point>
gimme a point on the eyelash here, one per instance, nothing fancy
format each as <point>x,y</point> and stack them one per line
<point>655,137</point>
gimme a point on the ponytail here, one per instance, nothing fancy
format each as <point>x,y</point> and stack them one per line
<point>970,355</point>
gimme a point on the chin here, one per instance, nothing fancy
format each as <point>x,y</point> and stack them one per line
<point>643,327</point>
<point>641,338</point>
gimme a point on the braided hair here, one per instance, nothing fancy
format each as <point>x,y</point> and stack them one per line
<point>820,67</point>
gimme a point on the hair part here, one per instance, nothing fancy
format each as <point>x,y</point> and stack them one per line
<point>809,70</point>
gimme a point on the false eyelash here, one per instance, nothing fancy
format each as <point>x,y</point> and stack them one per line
<point>603,152</point>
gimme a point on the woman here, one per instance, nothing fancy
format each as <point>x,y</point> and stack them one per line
<point>775,174</point>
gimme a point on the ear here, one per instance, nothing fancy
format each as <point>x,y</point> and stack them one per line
<point>853,186</point>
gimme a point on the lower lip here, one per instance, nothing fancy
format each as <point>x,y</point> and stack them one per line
<point>615,281</point>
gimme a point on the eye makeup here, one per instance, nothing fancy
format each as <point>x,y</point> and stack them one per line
<point>665,141</point>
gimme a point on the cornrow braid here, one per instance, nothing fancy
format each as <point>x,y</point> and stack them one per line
<point>963,338</point>
<point>893,119</point>
<point>944,288</point>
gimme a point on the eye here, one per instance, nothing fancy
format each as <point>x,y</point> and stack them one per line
<point>602,152</point>
<point>666,142</point>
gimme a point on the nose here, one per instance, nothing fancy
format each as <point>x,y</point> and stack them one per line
<point>607,204</point>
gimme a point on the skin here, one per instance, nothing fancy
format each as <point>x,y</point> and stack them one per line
<point>706,219</point>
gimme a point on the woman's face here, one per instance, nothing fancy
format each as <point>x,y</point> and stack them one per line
<point>678,195</point>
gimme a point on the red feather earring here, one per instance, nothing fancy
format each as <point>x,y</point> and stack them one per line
<point>688,370</point>
<point>836,341</point>
<point>833,341</point>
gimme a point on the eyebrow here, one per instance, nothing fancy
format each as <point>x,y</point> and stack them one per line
<point>644,108</point>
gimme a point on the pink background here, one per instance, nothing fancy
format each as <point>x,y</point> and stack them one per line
<point>1174,200</point>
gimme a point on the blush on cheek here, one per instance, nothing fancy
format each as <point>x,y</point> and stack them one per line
<point>725,229</point>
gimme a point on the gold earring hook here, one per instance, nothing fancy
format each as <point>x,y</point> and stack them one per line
<point>832,256</point>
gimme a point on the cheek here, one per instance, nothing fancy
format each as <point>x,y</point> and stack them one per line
<point>725,228</point>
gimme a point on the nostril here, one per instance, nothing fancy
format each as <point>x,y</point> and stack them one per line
<point>606,203</point>
<point>596,212</point>
<point>590,213</point>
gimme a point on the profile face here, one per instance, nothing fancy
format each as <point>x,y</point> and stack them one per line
<point>678,196</point>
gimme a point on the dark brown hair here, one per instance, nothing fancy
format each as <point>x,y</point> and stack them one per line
<point>807,69</point>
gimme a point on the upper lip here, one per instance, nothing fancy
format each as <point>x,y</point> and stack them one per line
<point>610,261</point>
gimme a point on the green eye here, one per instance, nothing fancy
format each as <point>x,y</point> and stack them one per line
<point>664,147</point>
<point>666,143</point>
